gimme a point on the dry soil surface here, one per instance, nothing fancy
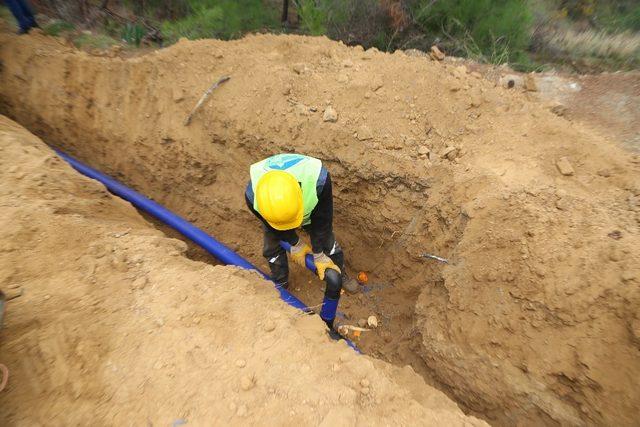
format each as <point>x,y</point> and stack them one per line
<point>535,317</point>
<point>116,327</point>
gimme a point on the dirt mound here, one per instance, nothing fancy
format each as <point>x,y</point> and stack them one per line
<point>115,326</point>
<point>535,316</point>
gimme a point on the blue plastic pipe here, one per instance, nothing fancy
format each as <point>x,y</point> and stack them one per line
<point>190,231</point>
<point>308,259</point>
<point>184,227</point>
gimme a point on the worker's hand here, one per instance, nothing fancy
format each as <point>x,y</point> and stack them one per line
<point>323,262</point>
<point>299,251</point>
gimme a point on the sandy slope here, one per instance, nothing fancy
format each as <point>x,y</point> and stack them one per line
<point>116,327</point>
<point>535,319</point>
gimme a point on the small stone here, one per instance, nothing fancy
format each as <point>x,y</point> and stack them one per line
<point>330,115</point>
<point>436,54</point>
<point>615,253</point>
<point>299,68</point>
<point>530,83</point>
<point>178,94</point>
<point>372,321</point>
<point>343,78</point>
<point>368,95</point>
<point>423,151</point>
<point>335,367</point>
<point>628,276</point>
<point>376,83</point>
<point>562,204</point>
<point>362,323</point>
<point>347,63</point>
<point>241,363</point>
<point>615,235</point>
<point>564,166</point>
<point>364,133</point>
<point>475,98</point>
<point>139,283</point>
<point>269,326</point>
<point>605,173</point>
<point>247,382</point>
<point>364,382</point>
<point>450,153</point>
<point>46,297</point>
<point>364,390</point>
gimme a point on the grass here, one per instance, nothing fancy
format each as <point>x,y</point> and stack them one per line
<point>7,16</point>
<point>57,27</point>
<point>94,41</point>
<point>597,48</point>
<point>495,31</point>
<point>222,19</point>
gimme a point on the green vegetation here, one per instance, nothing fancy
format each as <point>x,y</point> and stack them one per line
<point>133,34</point>
<point>313,16</point>
<point>5,15</point>
<point>223,19</point>
<point>57,27</point>
<point>583,35</point>
<point>496,31</point>
<point>94,41</point>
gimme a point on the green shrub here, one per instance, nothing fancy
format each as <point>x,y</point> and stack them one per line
<point>94,41</point>
<point>133,34</point>
<point>55,28</point>
<point>6,15</point>
<point>223,19</point>
<point>313,16</point>
<point>496,31</point>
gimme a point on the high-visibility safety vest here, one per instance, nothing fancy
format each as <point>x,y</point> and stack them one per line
<point>305,169</point>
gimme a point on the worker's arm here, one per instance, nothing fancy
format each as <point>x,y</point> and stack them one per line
<point>321,227</point>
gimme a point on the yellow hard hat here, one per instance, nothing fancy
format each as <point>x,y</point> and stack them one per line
<point>279,199</point>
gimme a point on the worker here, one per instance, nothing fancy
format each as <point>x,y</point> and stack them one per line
<point>23,14</point>
<point>289,191</point>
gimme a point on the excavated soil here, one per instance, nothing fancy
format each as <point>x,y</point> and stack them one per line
<point>116,327</point>
<point>534,320</point>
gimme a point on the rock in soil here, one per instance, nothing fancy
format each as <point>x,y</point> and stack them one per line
<point>436,54</point>
<point>330,115</point>
<point>564,166</point>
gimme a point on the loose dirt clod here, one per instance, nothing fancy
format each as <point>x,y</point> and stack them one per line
<point>564,166</point>
<point>372,322</point>
<point>247,382</point>
<point>436,54</point>
<point>330,115</point>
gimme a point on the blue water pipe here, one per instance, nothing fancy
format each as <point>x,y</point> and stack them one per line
<point>190,231</point>
<point>184,227</point>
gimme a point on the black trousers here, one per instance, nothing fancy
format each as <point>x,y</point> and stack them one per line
<point>277,256</point>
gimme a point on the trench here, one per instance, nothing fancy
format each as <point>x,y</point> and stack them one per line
<point>386,210</point>
<point>390,293</point>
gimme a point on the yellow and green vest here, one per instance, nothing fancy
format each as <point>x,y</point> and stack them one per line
<point>305,169</point>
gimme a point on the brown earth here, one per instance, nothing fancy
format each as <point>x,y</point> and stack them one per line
<point>534,320</point>
<point>116,327</point>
